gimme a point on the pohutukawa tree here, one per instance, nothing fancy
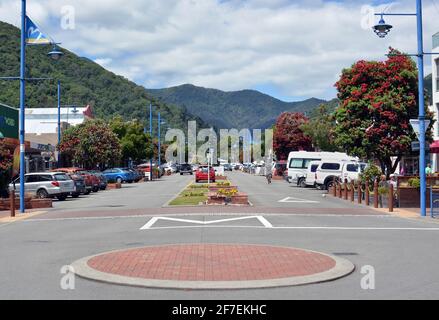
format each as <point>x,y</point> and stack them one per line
<point>377,100</point>
<point>288,135</point>
<point>5,167</point>
<point>91,144</point>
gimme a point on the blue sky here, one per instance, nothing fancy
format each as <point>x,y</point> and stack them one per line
<point>291,50</point>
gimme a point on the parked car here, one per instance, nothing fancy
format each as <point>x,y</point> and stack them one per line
<point>298,162</point>
<point>279,168</point>
<point>204,174</point>
<point>102,179</point>
<point>137,175</point>
<point>47,185</point>
<point>228,167</point>
<point>328,171</point>
<point>310,179</point>
<point>118,175</point>
<point>186,169</point>
<point>79,185</point>
<point>88,178</point>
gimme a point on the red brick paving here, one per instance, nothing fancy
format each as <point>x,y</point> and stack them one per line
<point>212,262</point>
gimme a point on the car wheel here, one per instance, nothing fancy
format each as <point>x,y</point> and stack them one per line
<point>119,180</point>
<point>75,195</point>
<point>42,194</point>
<point>95,189</point>
<point>329,184</point>
<point>302,183</point>
<point>62,198</point>
<point>87,192</point>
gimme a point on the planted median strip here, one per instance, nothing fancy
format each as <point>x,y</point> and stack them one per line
<point>193,195</point>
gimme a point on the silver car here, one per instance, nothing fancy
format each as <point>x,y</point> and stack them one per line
<point>46,185</point>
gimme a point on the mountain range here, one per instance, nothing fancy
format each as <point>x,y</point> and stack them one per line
<point>237,109</point>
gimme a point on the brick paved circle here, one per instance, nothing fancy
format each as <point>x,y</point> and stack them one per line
<point>213,266</point>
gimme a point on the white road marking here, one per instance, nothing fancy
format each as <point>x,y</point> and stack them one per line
<point>304,228</point>
<point>153,220</point>
<point>296,200</point>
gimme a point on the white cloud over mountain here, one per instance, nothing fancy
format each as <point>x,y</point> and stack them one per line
<point>296,47</point>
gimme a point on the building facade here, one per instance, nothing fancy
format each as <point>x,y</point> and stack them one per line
<point>435,98</point>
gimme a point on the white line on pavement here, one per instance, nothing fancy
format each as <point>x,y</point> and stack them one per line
<point>296,200</point>
<point>155,219</point>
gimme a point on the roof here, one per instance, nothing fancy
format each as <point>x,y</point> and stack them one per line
<point>54,111</point>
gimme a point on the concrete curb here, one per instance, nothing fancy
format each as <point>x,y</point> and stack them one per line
<point>342,268</point>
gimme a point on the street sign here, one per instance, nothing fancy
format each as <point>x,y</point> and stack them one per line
<point>415,125</point>
<point>416,146</point>
<point>8,122</point>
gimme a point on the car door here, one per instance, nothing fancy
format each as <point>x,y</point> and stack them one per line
<point>31,184</point>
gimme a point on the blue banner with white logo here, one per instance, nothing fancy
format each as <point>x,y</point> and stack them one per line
<point>34,35</point>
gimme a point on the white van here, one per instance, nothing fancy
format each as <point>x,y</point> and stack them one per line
<point>328,170</point>
<point>298,162</point>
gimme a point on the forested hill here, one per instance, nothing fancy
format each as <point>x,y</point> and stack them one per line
<point>83,82</point>
<point>239,109</point>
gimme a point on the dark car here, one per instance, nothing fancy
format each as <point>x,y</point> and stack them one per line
<point>186,169</point>
<point>80,187</point>
<point>228,167</point>
<point>103,182</point>
<point>137,175</point>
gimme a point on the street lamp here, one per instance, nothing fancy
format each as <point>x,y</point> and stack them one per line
<point>54,54</point>
<point>382,29</point>
<point>160,122</point>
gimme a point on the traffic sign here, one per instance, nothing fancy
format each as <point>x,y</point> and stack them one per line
<point>415,123</point>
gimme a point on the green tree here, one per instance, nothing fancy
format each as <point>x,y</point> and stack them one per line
<point>320,129</point>
<point>377,100</point>
<point>91,144</point>
<point>136,145</point>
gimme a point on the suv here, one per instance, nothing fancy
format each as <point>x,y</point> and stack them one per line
<point>310,177</point>
<point>186,168</point>
<point>47,185</point>
<point>327,171</point>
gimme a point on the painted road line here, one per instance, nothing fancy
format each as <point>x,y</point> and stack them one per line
<point>296,200</point>
<point>302,228</point>
<point>153,220</point>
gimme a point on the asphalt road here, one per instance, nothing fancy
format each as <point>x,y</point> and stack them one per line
<point>402,252</point>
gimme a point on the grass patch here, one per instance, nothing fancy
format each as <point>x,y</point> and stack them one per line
<point>191,196</point>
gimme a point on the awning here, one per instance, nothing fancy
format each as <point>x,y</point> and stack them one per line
<point>434,147</point>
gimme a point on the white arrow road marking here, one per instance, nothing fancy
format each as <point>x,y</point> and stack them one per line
<point>297,200</point>
<point>153,220</point>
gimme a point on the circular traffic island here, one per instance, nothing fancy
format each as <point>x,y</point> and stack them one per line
<point>213,266</point>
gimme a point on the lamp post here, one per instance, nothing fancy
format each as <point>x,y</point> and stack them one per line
<point>54,54</point>
<point>152,143</point>
<point>160,122</point>
<point>382,29</point>
<point>59,122</point>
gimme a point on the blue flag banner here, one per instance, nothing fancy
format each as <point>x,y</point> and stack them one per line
<point>34,35</point>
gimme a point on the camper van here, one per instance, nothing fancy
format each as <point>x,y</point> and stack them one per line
<point>298,162</point>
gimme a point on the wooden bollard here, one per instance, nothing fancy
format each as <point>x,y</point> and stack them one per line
<point>360,193</point>
<point>12,203</point>
<point>334,191</point>
<point>391,204</point>
<point>375,193</point>
<point>345,191</point>
<point>367,191</point>
<point>352,192</point>
<point>340,194</point>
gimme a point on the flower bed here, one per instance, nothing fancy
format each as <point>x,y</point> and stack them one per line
<point>238,198</point>
<point>29,203</point>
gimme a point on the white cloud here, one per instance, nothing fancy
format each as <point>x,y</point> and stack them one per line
<point>298,47</point>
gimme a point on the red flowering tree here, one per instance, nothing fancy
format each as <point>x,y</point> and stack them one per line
<point>288,135</point>
<point>377,100</point>
<point>5,166</point>
<point>91,144</point>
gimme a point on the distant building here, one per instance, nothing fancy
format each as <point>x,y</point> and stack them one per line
<point>45,120</point>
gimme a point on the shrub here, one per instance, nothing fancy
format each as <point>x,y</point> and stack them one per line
<point>415,183</point>
<point>371,173</point>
